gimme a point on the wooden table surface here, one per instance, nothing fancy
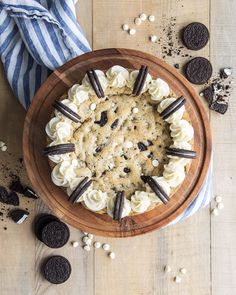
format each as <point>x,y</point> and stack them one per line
<point>204,244</point>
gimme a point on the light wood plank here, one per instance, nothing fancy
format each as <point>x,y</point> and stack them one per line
<point>223,53</point>
<point>140,260</point>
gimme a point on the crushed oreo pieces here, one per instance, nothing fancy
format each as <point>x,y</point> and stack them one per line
<point>103,119</point>
<point>30,193</point>
<point>225,73</point>
<point>127,170</point>
<point>115,124</point>
<point>142,147</point>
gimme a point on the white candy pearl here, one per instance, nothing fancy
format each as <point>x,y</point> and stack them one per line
<point>183,270</point>
<point>155,163</point>
<point>135,110</point>
<point>132,31</point>
<point>143,16</point>
<point>4,148</point>
<point>167,268</point>
<point>87,248</point>
<point>153,38</point>
<point>2,144</point>
<point>112,255</point>
<point>86,240</point>
<point>90,236</point>
<point>75,244</point>
<point>97,245</point>
<point>137,21</point>
<point>151,18</point>
<point>93,106</point>
<point>105,247</point>
<point>218,199</point>
<point>215,211</point>
<point>220,206</point>
<point>177,279</point>
<point>125,27</point>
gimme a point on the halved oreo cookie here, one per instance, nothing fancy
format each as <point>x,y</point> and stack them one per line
<point>140,80</point>
<point>119,205</point>
<point>80,189</point>
<point>156,188</point>
<point>55,234</point>
<point>173,107</point>
<point>195,36</point>
<point>66,111</point>
<point>198,70</point>
<point>19,215</point>
<point>95,83</point>
<point>41,221</point>
<point>59,149</point>
<point>180,153</point>
<point>56,269</point>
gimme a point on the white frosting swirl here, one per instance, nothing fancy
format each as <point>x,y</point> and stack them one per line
<point>163,184</point>
<point>132,78</point>
<point>117,76</point>
<point>102,79</point>
<point>57,129</point>
<point>181,131</point>
<point>110,207</point>
<point>176,116</point>
<point>158,89</point>
<point>174,173</point>
<point>78,93</point>
<point>63,173</point>
<point>95,200</point>
<point>140,201</point>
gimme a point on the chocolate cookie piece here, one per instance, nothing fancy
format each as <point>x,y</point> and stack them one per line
<point>16,186</point>
<point>157,189</point>
<point>195,36</point>
<point>3,194</point>
<point>80,189</point>
<point>208,94</point>
<point>173,107</point>
<point>55,234</point>
<point>41,221</point>
<point>219,106</point>
<point>13,199</point>
<point>30,193</point>
<point>198,70</point>
<point>57,269</point>
<point>19,215</point>
<point>59,149</point>
<point>181,153</point>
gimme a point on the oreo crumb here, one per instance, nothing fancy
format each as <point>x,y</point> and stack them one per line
<point>19,215</point>
<point>142,147</point>
<point>127,170</point>
<point>16,186</point>
<point>115,124</point>
<point>176,66</point>
<point>13,199</point>
<point>103,119</point>
<point>225,73</point>
<point>30,193</point>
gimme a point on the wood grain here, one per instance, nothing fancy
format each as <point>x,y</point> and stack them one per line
<point>208,255</point>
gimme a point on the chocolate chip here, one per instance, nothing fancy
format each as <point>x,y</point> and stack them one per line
<point>103,120</point>
<point>114,124</point>
<point>127,170</point>
<point>142,146</point>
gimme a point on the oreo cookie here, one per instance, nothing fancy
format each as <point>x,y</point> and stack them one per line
<point>13,199</point>
<point>41,221</point>
<point>140,80</point>
<point>219,106</point>
<point>198,70</point>
<point>118,206</point>
<point>80,189</point>
<point>180,153</point>
<point>19,215</point>
<point>66,111</point>
<point>195,36</point>
<point>55,234</point>
<point>156,188</point>
<point>59,149</point>
<point>95,83</point>
<point>56,269</point>
<point>3,194</point>
<point>173,107</point>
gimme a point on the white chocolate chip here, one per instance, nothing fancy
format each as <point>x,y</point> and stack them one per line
<point>128,144</point>
<point>87,240</point>
<point>155,163</point>
<point>177,279</point>
<point>218,199</point>
<point>183,270</point>
<point>135,110</point>
<point>4,148</point>
<point>90,236</point>
<point>220,206</point>
<point>85,233</point>
<point>86,248</point>
<point>153,38</point>
<point>93,106</point>
<point>2,144</point>
<point>167,268</point>
<point>151,18</point>
<point>112,255</point>
<point>143,16</point>
<point>125,27</point>
<point>215,211</point>
<point>137,21</point>
<point>132,31</point>
<point>105,247</point>
<point>97,245</point>
<point>75,244</point>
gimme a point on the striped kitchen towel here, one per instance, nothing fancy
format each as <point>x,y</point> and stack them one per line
<point>38,36</point>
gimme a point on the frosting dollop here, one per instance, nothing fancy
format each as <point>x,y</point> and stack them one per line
<point>140,201</point>
<point>176,116</point>
<point>117,76</point>
<point>174,173</point>
<point>57,129</point>
<point>63,173</point>
<point>110,207</point>
<point>132,78</point>
<point>181,131</point>
<point>158,89</point>
<point>102,79</point>
<point>78,93</point>
<point>95,200</point>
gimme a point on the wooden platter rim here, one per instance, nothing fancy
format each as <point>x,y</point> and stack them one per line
<point>48,87</point>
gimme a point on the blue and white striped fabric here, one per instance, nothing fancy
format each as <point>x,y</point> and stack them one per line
<point>38,36</point>
<point>35,38</point>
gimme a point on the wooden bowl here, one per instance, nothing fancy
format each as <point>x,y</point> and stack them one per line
<point>39,171</point>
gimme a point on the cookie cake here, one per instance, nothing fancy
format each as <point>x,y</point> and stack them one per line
<point>120,142</point>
